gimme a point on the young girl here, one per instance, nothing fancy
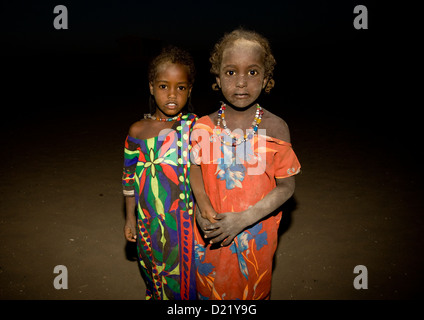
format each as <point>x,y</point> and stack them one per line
<point>247,167</point>
<point>155,180</point>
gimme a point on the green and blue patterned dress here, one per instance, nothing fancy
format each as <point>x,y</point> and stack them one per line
<point>156,172</point>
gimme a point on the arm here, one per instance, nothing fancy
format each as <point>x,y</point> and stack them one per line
<point>128,181</point>
<point>202,200</point>
<point>230,224</point>
<point>130,221</point>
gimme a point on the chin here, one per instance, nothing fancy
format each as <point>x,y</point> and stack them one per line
<point>241,104</point>
<point>171,113</point>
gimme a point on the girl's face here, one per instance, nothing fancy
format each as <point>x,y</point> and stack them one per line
<point>241,76</point>
<point>170,88</point>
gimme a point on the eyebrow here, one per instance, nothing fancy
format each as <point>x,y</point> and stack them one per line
<point>181,82</point>
<point>249,66</point>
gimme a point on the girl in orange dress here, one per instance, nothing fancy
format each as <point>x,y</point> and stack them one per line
<point>244,172</point>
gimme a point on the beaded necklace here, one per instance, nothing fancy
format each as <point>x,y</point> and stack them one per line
<point>149,116</point>
<point>236,141</point>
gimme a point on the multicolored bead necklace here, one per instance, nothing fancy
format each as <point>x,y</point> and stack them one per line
<point>236,141</point>
<point>149,116</point>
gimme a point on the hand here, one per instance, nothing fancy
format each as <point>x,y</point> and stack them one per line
<point>129,232</point>
<point>227,227</point>
<point>201,221</point>
<point>209,215</point>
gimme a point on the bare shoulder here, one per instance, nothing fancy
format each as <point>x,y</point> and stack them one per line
<point>136,129</point>
<point>275,126</point>
<point>213,115</point>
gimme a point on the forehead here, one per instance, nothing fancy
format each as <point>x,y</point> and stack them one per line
<point>243,51</point>
<point>168,69</point>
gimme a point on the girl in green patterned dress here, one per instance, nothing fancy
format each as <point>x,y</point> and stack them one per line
<point>156,180</point>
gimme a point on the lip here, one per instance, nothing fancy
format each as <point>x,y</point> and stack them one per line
<point>171,105</point>
<point>241,95</point>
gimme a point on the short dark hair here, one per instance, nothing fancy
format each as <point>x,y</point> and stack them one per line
<point>174,55</point>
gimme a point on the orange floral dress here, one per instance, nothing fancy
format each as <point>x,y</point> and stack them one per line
<point>236,178</point>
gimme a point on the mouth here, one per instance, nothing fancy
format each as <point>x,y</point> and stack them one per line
<point>171,105</point>
<point>241,95</point>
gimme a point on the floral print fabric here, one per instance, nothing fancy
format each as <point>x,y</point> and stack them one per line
<point>236,178</point>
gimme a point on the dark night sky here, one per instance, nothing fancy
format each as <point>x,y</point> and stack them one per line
<point>346,82</point>
<point>322,60</point>
<point>94,25</point>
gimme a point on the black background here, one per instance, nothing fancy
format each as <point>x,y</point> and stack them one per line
<point>353,84</point>
<point>324,65</point>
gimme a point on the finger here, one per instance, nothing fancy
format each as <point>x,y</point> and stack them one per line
<point>212,219</point>
<point>204,223</point>
<point>126,232</point>
<point>133,237</point>
<point>207,231</point>
<point>227,241</point>
<point>129,235</point>
<point>212,226</point>
<point>210,230</point>
<point>219,238</point>
<point>213,234</point>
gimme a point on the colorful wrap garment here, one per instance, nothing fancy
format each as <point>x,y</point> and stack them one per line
<point>236,178</point>
<point>156,172</point>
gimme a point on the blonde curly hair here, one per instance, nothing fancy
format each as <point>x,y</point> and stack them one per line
<point>240,33</point>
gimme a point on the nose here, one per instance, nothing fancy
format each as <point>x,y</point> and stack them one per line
<point>241,81</point>
<point>172,92</point>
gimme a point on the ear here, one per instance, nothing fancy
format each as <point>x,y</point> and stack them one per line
<point>264,83</point>
<point>218,81</point>
<point>269,85</point>
<point>151,88</point>
<point>189,91</point>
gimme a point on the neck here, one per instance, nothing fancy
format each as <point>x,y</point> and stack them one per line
<point>241,121</point>
<point>236,109</point>
<point>232,107</point>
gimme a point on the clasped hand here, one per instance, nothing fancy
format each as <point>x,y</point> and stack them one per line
<point>225,228</point>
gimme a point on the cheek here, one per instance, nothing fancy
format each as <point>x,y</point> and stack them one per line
<point>255,86</point>
<point>158,94</point>
<point>258,82</point>
<point>183,96</point>
<point>227,84</point>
